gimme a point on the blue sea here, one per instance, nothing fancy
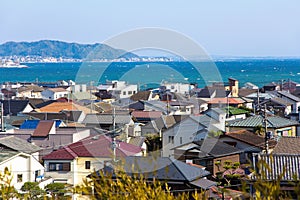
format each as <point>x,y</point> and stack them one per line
<point>151,74</point>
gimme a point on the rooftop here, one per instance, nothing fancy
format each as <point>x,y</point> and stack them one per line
<point>257,120</point>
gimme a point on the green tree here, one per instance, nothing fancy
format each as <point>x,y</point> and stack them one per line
<point>7,190</point>
<point>57,190</point>
<point>127,187</point>
<point>259,130</point>
<point>33,191</point>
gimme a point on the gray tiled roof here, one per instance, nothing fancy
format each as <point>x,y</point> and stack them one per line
<point>106,119</point>
<point>288,95</point>
<point>272,122</point>
<point>204,183</point>
<point>19,144</point>
<point>163,168</point>
<point>280,101</point>
<point>216,148</point>
<point>204,120</point>
<point>137,141</point>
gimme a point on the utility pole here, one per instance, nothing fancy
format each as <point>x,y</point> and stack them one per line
<point>266,130</point>
<point>91,104</point>
<point>2,118</point>
<point>114,142</point>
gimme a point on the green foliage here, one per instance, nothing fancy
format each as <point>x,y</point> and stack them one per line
<point>153,142</point>
<point>264,189</point>
<point>215,133</point>
<point>6,189</point>
<point>56,190</point>
<point>126,187</point>
<point>33,191</point>
<point>259,130</point>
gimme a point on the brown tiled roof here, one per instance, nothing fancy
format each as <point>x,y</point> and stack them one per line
<point>147,114</point>
<point>56,107</point>
<point>57,89</point>
<point>43,128</point>
<point>250,138</point>
<point>226,100</point>
<point>288,145</point>
<point>142,95</point>
<point>243,92</point>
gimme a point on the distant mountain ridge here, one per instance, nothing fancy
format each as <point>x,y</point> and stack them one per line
<point>57,49</point>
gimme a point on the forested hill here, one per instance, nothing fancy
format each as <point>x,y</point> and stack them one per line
<point>57,49</point>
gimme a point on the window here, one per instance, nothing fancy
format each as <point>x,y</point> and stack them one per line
<point>129,92</point>
<point>171,139</point>
<point>180,140</point>
<point>87,164</point>
<point>59,167</point>
<point>124,93</point>
<point>20,178</point>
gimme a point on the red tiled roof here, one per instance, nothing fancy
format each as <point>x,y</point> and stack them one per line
<point>147,114</point>
<point>96,146</point>
<point>225,101</point>
<point>43,128</point>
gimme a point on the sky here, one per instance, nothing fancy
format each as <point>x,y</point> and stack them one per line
<point>224,28</point>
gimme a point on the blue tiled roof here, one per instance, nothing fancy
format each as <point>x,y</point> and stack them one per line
<point>32,124</point>
<point>29,124</point>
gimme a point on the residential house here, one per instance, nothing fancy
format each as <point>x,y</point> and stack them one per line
<point>54,93</point>
<point>47,136</point>
<point>271,87</point>
<point>65,115</point>
<point>181,107</point>
<point>290,86</point>
<point>16,107</point>
<point>232,86</point>
<point>158,126</point>
<point>145,116</point>
<point>250,86</point>
<point>249,143</point>
<point>287,145</point>
<point>288,97</point>
<point>106,121</point>
<point>279,106</point>
<point>162,106</point>
<point>178,175</point>
<point>220,90</point>
<point>21,158</point>
<point>145,96</point>
<point>138,141</point>
<point>208,152</point>
<point>181,88</point>
<point>225,102</point>
<point>277,125</point>
<point>190,128</point>
<point>233,113</point>
<point>118,89</point>
<point>71,164</point>
<point>60,107</point>
<point>29,91</point>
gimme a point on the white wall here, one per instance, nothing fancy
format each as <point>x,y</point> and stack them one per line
<point>22,164</point>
